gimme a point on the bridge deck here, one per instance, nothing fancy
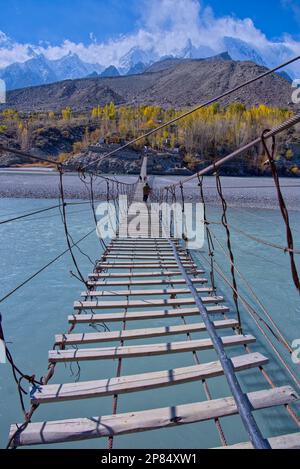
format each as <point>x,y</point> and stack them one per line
<point>173,293</point>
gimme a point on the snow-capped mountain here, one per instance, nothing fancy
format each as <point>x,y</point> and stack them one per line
<point>40,71</point>
<point>71,66</point>
<point>137,55</point>
<point>240,50</point>
<point>192,52</point>
<point>35,71</point>
<point>137,69</point>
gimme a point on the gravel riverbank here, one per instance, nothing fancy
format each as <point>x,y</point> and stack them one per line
<point>240,192</point>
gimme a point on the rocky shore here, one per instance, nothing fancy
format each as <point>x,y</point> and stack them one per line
<point>240,192</point>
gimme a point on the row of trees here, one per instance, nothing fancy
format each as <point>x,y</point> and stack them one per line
<point>204,134</point>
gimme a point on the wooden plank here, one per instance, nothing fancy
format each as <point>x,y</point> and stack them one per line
<point>144,315</point>
<point>143,250</point>
<point>145,257</point>
<point>144,239</point>
<point>56,356</point>
<point>80,305</point>
<point>120,283</point>
<point>144,244</point>
<point>142,262</point>
<point>143,265</point>
<point>161,273</point>
<point>136,292</point>
<point>95,427</point>
<point>138,238</point>
<point>94,337</point>
<point>140,382</point>
<point>291,441</point>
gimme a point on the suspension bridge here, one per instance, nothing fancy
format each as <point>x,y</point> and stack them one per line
<point>157,279</point>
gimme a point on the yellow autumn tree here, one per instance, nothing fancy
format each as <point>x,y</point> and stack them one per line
<point>66,113</point>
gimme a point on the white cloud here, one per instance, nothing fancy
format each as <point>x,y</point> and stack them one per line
<point>166,27</point>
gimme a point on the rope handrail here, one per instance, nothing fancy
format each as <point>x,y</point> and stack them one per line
<point>284,341</point>
<point>255,238</point>
<point>257,318</point>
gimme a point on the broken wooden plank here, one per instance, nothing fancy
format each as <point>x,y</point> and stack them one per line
<point>62,431</point>
<point>80,305</point>
<point>94,337</point>
<point>56,356</point>
<point>140,382</point>
<point>143,315</point>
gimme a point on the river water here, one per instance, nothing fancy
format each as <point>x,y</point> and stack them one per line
<point>38,311</point>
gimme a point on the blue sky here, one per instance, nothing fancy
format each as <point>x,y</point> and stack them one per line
<point>274,17</point>
<point>56,20</point>
<point>105,31</point>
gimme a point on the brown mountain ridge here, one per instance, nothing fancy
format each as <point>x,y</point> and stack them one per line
<point>170,83</point>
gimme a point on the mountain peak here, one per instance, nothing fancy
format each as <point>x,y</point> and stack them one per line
<point>110,71</point>
<point>241,50</point>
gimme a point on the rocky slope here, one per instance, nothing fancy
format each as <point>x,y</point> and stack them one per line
<point>176,84</point>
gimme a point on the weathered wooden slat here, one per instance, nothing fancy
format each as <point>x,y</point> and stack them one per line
<point>161,239</point>
<point>120,283</point>
<point>143,250</point>
<point>143,265</point>
<point>144,315</point>
<point>145,257</point>
<point>130,292</point>
<point>141,246</point>
<point>79,305</point>
<point>104,426</point>
<point>133,351</point>
<point>161,273</point>
<point>151,253</point>
<point>291,441</point>
<point>140,382</point>
<point>144,240</point>
<point>94,337</point>
<point>142,261</point>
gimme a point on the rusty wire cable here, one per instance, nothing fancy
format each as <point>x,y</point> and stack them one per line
<point>210,242</point>
<point>282,205</point>
<point>229,246</point>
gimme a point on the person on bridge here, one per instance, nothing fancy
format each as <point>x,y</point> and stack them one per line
<point>146,192</point>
